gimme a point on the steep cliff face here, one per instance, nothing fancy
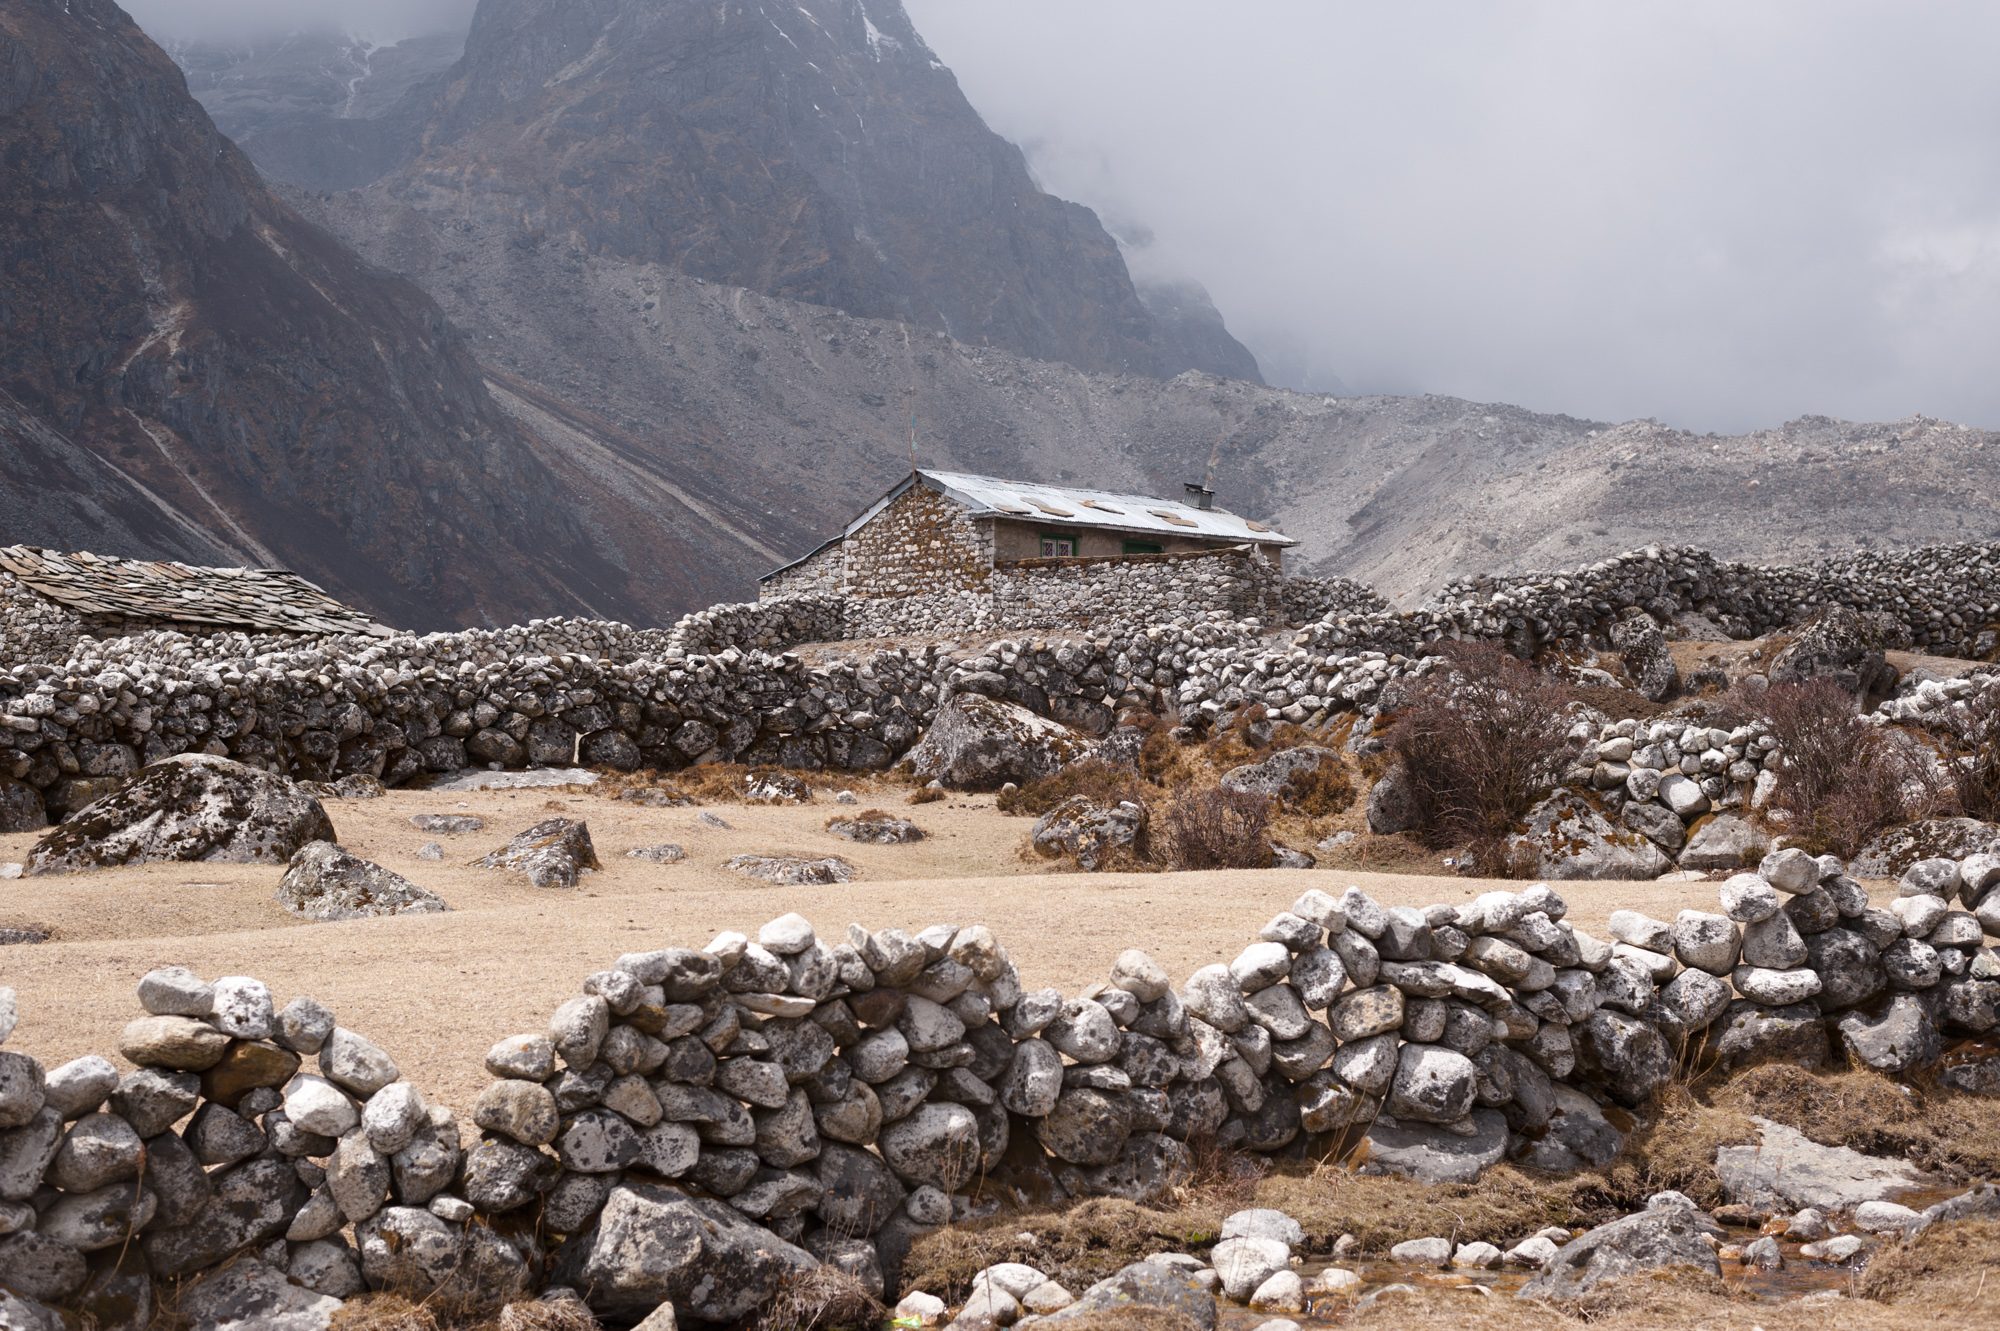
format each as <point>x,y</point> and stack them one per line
<point>816,151</point>
<point>185,349</point>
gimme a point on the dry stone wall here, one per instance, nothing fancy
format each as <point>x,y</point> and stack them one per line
<point>808,1100</point>
<point>558,692</point>
<point>1942,599</point>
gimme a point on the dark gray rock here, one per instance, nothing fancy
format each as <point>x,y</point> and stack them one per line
<point>1654,1240</point>
<point>655,1244</point>
<point>324,882</point>
<point>979,743</point>
<point>1143,1285</point>
<point>1432,1154</point>
<point>192,807</point>
<point>552,853</point>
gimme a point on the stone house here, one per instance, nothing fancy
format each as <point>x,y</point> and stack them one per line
<point>941,532</point>
<point>50,600</point>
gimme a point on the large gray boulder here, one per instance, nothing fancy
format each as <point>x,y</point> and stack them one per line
<point>1648,664</point>
<point>249,1293</point>
<point>552,853</point>
<point>1433,1154</point>
<point>1891,854</point>
<point>1283,776</point>
<point>1568,839</point>
<point>324,882</point>
<point>1786,1170</point>
<point>1654,1240</point>
<point>980,743</point>
<point>654,1244</point>
<point>193,807</point>
<point>1392,803</point>
<point>1842,645</point>
<point>1725,841</point>
<point>1084,831</point>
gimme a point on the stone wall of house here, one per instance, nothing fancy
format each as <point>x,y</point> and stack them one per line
<point>32,627</point>
<point>919,544</point>
<point>799,1099</point>
<point>818,574</point>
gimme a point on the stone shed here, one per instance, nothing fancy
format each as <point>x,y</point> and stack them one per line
<point>942,532</point>
<point>50,600</point>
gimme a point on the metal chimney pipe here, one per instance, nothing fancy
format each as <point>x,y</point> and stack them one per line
<point>1199,496</point>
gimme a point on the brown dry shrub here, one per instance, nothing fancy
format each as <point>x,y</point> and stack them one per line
<point>924,795</point>
<point>397,1312</point>
<point>1383,1210</point>
<point>822,1299</point>
<point>1104,783</point>
<point>1950,1266</point>
<point>1842,781</point>
<point>1971,734</point>
<point>1321,793</point>
<point>1076,1246</point>
<point>1675,1150</point>
<point>1483,741</point>
<point>1207,827</point>
<point>1943,1131</point>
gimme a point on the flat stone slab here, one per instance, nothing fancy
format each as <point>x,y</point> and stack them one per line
<point>1429,1153</point>
<point>1787,1170</point>
<point>539,778</point>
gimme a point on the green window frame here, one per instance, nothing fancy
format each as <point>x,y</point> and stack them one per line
<point>1049,539</point>
<point>1143,548</point>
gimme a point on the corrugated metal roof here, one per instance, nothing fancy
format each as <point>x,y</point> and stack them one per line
<point>1094,508</point>
<point>237,598</point>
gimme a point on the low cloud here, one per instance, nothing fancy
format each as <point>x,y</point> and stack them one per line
<point>1721,215</point>
<point>249,20</point>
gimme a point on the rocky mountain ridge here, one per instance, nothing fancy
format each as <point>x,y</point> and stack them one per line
<point>192,368</point>
<point>816,151</point>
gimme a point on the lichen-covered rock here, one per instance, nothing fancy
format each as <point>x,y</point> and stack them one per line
<point>1648,663</point>
<point>1568,839</point>
<point>552,853</point>
<point>655,1244</point>
<point>1653,1240</point>
<point>21,807</point>
<point>876,828</point>
<point>324,882</point>
<point>793,870</point>
<point>187,808</point>
<point>1085,831</point>
<point>980,743</point>
<point>1283,775</point>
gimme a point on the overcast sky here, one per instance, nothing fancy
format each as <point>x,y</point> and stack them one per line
<point>1723,215</point>
<point>1720,214</point>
